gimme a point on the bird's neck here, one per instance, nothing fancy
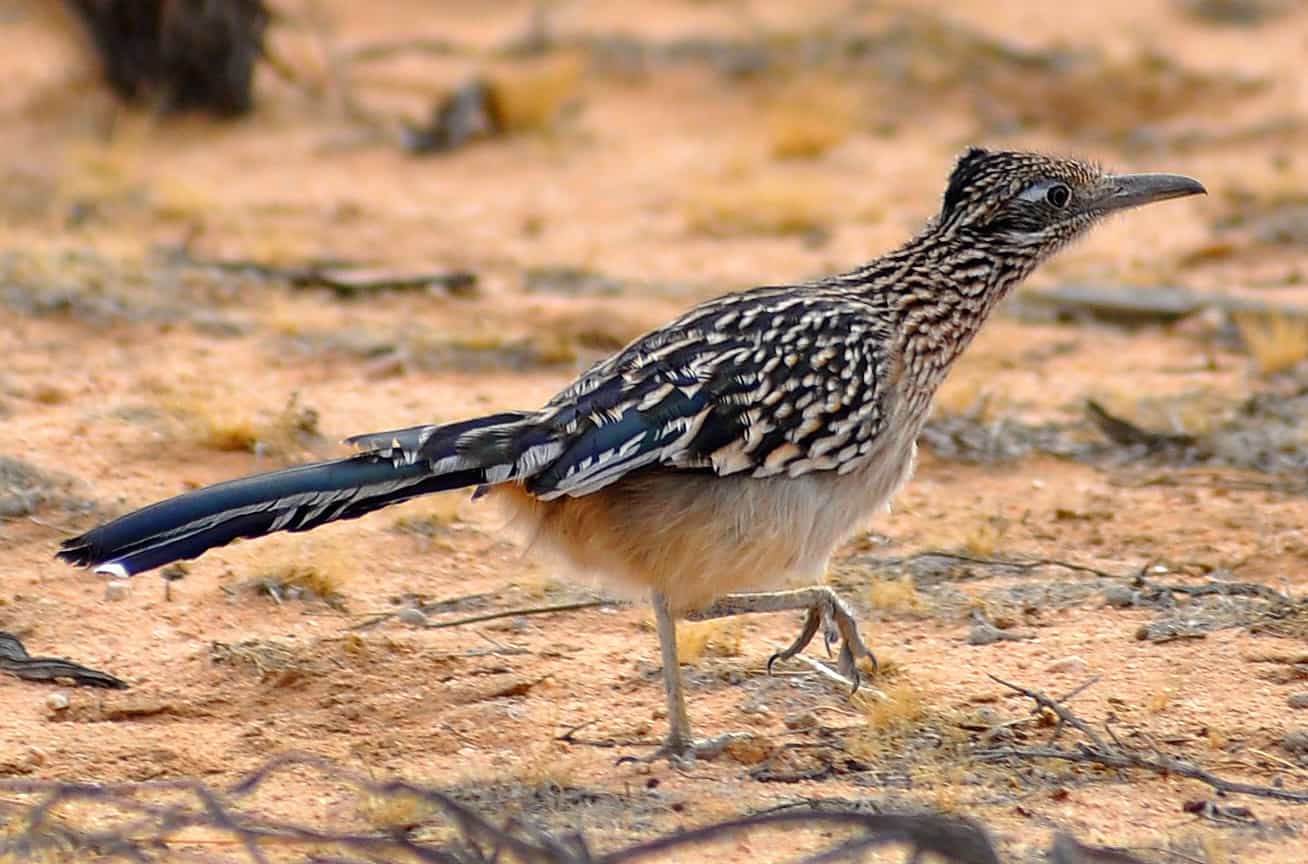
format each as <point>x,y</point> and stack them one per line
<point>938,291</point>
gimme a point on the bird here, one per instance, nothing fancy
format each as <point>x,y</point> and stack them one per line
<point>719,460</point>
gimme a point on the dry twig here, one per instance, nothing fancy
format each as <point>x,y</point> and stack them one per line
<point>166,815</point>
<point>1096,751</point>
<point>15,660</point>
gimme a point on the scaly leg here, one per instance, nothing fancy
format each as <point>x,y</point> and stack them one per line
<point>679,739</point>
<point>825,611</point>
<point>679,745</point>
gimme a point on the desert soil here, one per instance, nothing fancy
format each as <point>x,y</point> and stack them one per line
<point>133,372</point>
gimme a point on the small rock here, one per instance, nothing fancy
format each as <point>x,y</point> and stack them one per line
<point>1119,596</point>
<point>116,589</point>
<point>984,634</point>
<point>732,676</point>
<point>746,748</point>
<point>1072,665</point>
<point>1298,700</point>
<point>800,720</point>
<point>413,616</point>
<point>388,365</point>
<point>57,701</point>
<point>1296,741</point>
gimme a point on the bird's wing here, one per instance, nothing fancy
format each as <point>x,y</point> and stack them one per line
<point>766,382</point>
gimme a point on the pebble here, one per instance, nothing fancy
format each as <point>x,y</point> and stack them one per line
<point>1120,596</point>
<point>984,634</point>
<point>1296,741</point>
<point>732,676</point>
<point>1072,665</point>
<point>412,616</point>
<point>56,701</point>
<point>116,589</point>
<point>747,748</point>
<point>1298,700</point>
<point>800,720</point>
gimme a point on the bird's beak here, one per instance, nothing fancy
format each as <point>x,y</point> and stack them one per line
<point>1133,190</point>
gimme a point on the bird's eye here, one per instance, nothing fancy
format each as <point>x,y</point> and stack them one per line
<point>1058,195</point>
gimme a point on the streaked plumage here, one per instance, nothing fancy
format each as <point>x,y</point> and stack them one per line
<point>733,447</point>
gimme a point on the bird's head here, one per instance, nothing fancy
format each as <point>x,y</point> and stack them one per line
<point>1034,204</point>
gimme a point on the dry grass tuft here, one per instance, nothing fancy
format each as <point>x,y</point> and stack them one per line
<point>716,638</point>
<point>984,538</point>
<point>540,584</point>
<point>267,657</point>
<point>300,581</point>
<point>310,569</point>
<point>176,200</point>
<point>887,669</point>
<point>202,419</point>
<point>1161,699</point>
<point>1277,341</point>
<point>810,117</point>
<point>898,707</point>
<point>400,811</point>
<point>1215,849</point>
<point>532,96</point>
<point>767,204</point>
<point>895,595</point>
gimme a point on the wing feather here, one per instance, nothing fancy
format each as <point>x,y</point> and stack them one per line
<point>765,382</point>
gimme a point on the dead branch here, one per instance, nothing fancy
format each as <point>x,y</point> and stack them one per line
<point>147,826</point>
<point>1022,564</point>
<point>1124,432</point>
<point>1064,715</point>
<point>347,280</point>
<point>15,660</point>
<point>1096,751</point>
<point>1156,590</point>
<point>515,613</point>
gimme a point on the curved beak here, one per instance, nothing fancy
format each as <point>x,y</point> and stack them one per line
<point>1121,191</point>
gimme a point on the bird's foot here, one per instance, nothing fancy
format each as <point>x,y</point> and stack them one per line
<point>829,614</point>
<point>683,752</point>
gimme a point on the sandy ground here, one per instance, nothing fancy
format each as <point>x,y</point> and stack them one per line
<point>128,377</point>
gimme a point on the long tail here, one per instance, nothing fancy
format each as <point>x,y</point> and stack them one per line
<point>400,465</point>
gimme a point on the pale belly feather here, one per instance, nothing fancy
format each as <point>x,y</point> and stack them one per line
<point>694,537</point>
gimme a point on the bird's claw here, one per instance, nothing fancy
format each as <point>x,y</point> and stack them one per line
<point>829,614</point>
<point>682,752</point>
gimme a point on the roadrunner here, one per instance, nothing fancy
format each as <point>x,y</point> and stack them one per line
<point>723,454</point>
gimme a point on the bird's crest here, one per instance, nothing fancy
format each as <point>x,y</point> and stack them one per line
<point>965,173</point>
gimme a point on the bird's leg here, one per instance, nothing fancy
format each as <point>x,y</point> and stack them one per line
<point>679,739</point>
<point>679,746</point>
<point>826,611</point>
